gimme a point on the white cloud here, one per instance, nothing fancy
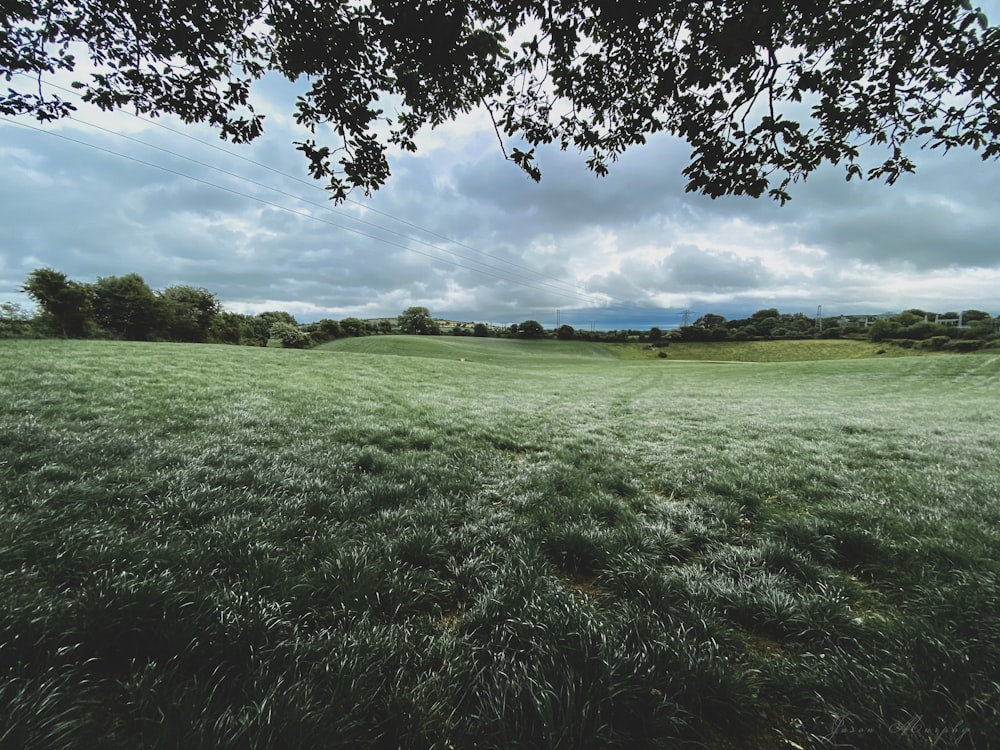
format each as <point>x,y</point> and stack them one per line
<point>497,246</point>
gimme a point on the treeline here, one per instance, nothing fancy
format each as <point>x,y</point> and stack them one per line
<point>960,331</point>
<point>125,307</point>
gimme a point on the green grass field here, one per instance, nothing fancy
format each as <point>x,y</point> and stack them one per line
<point>458,543</point>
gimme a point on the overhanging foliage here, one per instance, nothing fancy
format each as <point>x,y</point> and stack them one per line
<point>764,93</point>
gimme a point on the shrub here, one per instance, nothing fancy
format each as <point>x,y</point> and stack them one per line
<point>966,345</point>
<point>290,336</point>
<point>935,343</point>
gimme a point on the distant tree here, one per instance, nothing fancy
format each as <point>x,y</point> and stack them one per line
<point>923,329</point>
<point>691,333</point>
<point>980,327</point>
<point>530,329</point>
<point>565,332</point>
<point>384,327</point>
<point>971,316</point>
<point>233,328</point>
<point>290,336</point>
<point>262,323</point>
<point>277,316</point>
<point>768,312</point>
<point>353,327</point>
<point>909,317</point>
<point>125,306</point>
<point>881,330</point>
<point>65,302</point>
<point>480,330</point>
<point>763,322</point>
<point>328,330</point>
<point>187,312</point>
<point>711,320</point>
<point>418,321</point>
<point>14,321</point>
<point>831,329</point>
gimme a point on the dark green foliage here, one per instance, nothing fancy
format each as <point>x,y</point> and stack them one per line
<point>65,302</point>
<point>967,345</point>
<point>530,329</point>
<point>418,321</point>
<point>585,75</point>
<point>14,321</point>
<point>231,328</point>
<point>353,327</point>
<point>290,336</point>
<point>187,312</point>
<point>125,306</point>
<point>322,331</point>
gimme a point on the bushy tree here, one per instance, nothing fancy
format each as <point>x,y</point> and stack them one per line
<point>530,329</point>
<point>353,327</point>
<point>764,93</point>
<point>233,328</point>
<point>923,329</point>
<point>261,324</point>
<point>418,321</point>
<point>125,306</point>
<point>882,330</point>
<point>14,321</point>
<point>711,320</point>
<point>565,332</point>
<point>328,330</point>
<point>290,336</point>
<point>66,303</point>
<point>972,316</point>
<point>480,330</point>
<point>187,312</point>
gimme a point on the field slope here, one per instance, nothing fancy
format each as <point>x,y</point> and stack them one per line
<point>380,545</point>
<point>506,352</point>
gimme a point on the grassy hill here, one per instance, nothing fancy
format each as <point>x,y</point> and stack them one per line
<point>546,545</point>
<point>513,352</point>
<point>544,352</point>
<point>806,350</point>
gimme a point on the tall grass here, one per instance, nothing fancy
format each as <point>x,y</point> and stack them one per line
<point>218,547</point>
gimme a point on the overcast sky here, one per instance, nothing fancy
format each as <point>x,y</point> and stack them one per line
<point>460,231</point>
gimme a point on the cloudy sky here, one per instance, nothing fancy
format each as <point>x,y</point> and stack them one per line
<point>459,230</point>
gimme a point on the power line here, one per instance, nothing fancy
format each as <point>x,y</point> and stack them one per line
<point>532,280</point>
<point>322,206</point>
<point>576,291</point>
<point>276,205</point>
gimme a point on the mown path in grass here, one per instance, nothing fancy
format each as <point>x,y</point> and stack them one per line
<point>534,547</point>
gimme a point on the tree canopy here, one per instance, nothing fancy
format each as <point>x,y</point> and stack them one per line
<point>764,93</point>
<point>67,302</point>
<point>418,320</point>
